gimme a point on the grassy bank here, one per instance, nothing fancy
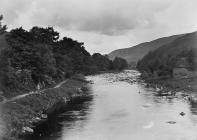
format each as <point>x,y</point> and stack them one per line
<point>20,116</point>
<point>174,84</point>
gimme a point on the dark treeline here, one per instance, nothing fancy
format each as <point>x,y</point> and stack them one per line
<point>179,54</point>
<point>164,65</point>
<point>2,27</point>
<point>38,56</point>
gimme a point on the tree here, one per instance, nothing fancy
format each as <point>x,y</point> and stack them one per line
<point>191,58</point>
<point>75,51</point>
<point>119,63</point>
<point>44,35</point>
<point>2,27</point>
<point>25,54</point>
<point>38,56</point>
<point>102,62</point>
<point>64,66</point>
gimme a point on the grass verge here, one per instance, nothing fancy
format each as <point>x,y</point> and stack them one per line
<point>20,116</point>
<point>172,84</point>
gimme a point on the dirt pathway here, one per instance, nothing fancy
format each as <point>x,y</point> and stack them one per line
<point>32,92</point>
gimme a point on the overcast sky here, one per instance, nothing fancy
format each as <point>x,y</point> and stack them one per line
<point>104,25</point>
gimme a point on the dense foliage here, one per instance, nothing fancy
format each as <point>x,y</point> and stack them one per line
<point>2,27</point>
<point>119,63</point>
<point>179,53</point>
<point>102,62</point>
<point>39,57</point>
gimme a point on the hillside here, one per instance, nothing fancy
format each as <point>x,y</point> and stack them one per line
<point>184,43</point>
<point>165,60</point>
<point>172,66</point>
<point>133,54</point>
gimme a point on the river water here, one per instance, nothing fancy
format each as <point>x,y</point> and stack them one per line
<point>121,108</point>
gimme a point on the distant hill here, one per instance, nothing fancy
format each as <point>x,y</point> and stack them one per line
<point>133,54</point>
<point>182,44</point>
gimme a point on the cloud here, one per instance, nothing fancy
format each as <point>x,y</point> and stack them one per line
<point>104,25</point>
<point>12,9</point>
<point>110,17</point>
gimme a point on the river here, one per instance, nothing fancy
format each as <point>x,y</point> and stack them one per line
<point>122,108</point>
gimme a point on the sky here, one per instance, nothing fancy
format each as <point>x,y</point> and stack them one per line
<point>104,25</point>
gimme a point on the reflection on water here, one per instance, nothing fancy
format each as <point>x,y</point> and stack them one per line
<point>123,109</point>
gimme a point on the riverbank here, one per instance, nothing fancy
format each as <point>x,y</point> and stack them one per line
<point>21,116</point>
<point>173,85</point>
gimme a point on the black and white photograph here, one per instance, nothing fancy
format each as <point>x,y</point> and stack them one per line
<point>98,69</point>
